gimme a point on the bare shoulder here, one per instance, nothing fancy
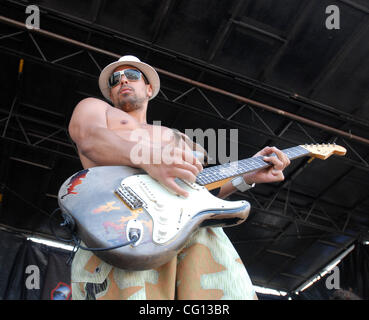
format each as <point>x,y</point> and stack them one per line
<point>92,104</point>
<point>89,112</point>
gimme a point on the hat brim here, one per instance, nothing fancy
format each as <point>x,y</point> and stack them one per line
<point>149,72</point>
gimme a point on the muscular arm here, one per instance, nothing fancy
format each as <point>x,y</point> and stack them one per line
<point>99,145</point>
<point>88,129</point>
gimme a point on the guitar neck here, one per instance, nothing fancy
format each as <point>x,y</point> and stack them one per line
<point>224,172</point>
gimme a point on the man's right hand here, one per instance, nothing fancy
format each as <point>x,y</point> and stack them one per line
<point>176,162</point>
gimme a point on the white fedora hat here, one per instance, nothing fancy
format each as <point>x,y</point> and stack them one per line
<point>149,72</point>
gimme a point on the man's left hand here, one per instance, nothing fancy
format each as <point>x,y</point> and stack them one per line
<point>270,174</point>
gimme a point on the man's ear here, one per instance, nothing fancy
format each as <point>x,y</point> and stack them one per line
<point>149,90</point>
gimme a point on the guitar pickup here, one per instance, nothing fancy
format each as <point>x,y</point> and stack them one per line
<point>130,198</point>
<point>192,185</point>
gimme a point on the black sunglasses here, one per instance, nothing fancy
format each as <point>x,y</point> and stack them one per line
<point>130,74</point>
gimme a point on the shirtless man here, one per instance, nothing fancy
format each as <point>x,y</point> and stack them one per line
<point>103,135</point>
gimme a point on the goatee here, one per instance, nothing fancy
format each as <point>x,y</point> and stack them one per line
<point>130,103</point>
<point>129,106</point>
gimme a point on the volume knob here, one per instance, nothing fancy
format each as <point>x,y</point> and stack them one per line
<point>163,219</point>
<point>159,206</point>
<point>162,232</point>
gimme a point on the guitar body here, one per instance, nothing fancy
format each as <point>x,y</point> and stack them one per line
<point>108,203</point>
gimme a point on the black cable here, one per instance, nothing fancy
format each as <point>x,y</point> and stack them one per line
<point>77,242</point>
<point>52,228</point>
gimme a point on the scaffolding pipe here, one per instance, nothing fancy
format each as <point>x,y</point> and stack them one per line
<point>195,83</point>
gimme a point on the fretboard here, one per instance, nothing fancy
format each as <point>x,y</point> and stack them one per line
<point>236,168</point>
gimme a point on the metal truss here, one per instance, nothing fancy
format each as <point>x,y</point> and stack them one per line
<point>293,216</point>
<point>205,66</point>
<point>217,115</point>
<point>16,127</point>
<point>56,137</point>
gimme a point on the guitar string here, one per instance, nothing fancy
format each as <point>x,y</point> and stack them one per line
<point>223,171</point>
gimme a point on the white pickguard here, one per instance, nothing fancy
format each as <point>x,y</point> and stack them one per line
<point>171,212</point>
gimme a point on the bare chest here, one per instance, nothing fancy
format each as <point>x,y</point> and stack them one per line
<point>118,120</point>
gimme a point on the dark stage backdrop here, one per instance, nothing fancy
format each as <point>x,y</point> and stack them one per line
<point>32,271</point>
<point>353,279</point>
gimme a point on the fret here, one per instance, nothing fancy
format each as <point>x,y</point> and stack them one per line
<point>236,168</point>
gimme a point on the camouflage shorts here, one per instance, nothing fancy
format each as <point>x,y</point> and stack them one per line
<point>207,268</point>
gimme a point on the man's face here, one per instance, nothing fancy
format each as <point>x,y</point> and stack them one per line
<point>130,95</point>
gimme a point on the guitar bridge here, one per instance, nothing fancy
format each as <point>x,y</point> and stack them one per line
<point>129,197</point>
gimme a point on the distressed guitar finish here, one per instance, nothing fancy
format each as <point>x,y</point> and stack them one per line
<point>108,202</point>
<point>103,216</point>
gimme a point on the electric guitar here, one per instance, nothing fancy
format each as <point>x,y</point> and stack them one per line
<point>110,203</point>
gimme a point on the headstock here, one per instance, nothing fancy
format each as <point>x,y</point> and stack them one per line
<point>324,150</point>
